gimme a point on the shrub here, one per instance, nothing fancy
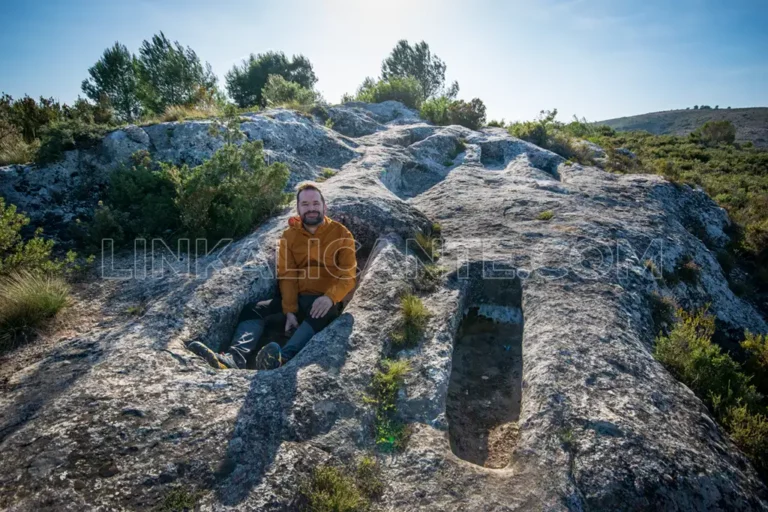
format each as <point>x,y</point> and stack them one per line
<point>33,254</point>
<point>68,135</point>
<point>690,355</point>
<point>444,111</point>
<point>368,476</point>
<point>27,300</point>
<point>496,124</point>
<point>471,115</point>
<point>228,194</point>
<point>139,203</point>
<point>330,490</point>
<point>435,110</point>
<point>406,90</point>
<point>750,433</point>
<point>280,91</point>
<point>713,133</point>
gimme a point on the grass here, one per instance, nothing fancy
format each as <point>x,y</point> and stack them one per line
<point>414,321</point>
<point>182,113</point>
<point>546,215</point>
<point>429,243</point>
<point>27,301</point>
<point>333,489</point>
<point>18,152</point>
<point>391,434</point>
<point>179,500</point>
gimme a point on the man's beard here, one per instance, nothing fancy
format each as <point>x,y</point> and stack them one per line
<point>312,221</point>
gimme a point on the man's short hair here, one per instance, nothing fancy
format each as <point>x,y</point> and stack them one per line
<point>308,186</point>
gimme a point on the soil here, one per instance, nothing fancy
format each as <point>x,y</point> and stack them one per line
<point>485,390</point>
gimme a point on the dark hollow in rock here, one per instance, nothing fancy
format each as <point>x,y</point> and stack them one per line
<point>485,389</point>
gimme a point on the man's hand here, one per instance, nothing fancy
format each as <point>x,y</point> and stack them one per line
<point>290,322</point>
<point>321,306</point>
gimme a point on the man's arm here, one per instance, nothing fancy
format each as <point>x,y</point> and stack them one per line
<point>346,267</point>
<point>287,277</point>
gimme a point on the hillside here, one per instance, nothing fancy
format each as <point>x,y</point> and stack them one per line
<point>751,123</point>
<point>531,385</point>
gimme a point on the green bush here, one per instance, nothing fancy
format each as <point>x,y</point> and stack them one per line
<point>688,352</point>
<point>435,110</point>
<point>16,253</point>
<point>713,133</point>
<point>66,135</point>
<point>444,111</point>
<point>280,91</point>
<point>139,203</point>
<point>228,194</point>
<point>27,300</point>
<point>550,134</point>
<point>406,90</point>
<point>331,490</point>
<point>749,431</point>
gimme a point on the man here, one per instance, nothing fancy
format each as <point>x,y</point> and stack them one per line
<point>316,267</point>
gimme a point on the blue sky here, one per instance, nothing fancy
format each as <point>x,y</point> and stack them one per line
<point>593,58</point>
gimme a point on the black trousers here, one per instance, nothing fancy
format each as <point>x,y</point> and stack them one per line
<point>257,316</point>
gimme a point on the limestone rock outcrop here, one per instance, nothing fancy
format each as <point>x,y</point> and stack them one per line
<point>112,412</point>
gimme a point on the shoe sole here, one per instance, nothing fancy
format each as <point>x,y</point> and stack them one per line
<point>208,355</point>
<point>269,359</point>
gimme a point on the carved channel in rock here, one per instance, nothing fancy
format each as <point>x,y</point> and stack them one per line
<point>485,389</point>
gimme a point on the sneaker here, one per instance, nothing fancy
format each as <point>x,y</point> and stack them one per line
<point>218,361</point>
<point>269,357</point>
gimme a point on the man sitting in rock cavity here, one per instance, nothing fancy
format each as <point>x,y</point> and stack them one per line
<point>316,267</point>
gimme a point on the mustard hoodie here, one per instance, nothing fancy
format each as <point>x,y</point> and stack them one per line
<point>322,263</point>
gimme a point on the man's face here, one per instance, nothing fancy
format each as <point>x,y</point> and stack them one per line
<point>311,207</point>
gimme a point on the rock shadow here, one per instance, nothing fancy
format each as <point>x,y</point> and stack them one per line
<point>271,415</point>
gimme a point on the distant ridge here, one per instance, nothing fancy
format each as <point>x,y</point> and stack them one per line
<point>751,123</point>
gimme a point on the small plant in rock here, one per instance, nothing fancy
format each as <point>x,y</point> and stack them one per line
<point>686,271</point>
<point>430,277</point>
<point>391,433</point>
<point>546,215</point>
<point>414,321</point>
<point>651,266</point>
<point>329,123</point>
<point>179,500</point>
<point>326,173</point>
<point>429,244</point>
<point>368,476</point>
<point>330,489</point>
<point>662,312</point>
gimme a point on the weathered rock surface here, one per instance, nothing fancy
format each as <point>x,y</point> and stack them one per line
<point>115,412</point>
